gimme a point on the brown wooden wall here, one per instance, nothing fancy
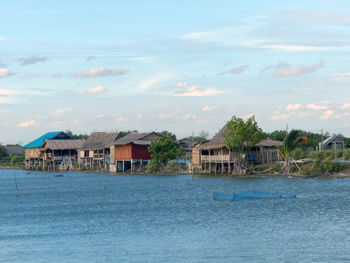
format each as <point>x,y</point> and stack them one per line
<point>132,151</point>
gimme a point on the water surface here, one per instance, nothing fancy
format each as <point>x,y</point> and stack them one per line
<point>145,218</point>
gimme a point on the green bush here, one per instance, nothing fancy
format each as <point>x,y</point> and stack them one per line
<point>346,154</point>
<point>338,154</point>
<point>153,166</point>
<point>298,153</point>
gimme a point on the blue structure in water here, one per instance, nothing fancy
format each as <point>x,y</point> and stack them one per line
<point>251,195</point>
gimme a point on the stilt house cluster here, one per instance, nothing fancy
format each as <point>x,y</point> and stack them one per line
<point>57,150</point>
<point>214,157</point>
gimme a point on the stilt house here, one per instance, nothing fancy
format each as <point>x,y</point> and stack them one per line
<point>214,157</point>
<point>333,143</point>
<point>130,153</point>
<point>33,151</point>
<point>61,152</point>
<point>96,149</point>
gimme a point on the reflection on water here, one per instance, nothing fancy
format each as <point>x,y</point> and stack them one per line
<point>143,218</point>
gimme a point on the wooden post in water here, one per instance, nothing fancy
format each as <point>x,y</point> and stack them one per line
<point>14,177</point>
<point>103,177</point>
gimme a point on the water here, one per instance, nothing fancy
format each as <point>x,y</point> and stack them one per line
<point>144,218</point>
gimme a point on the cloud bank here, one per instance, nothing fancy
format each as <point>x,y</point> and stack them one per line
<point>100,72</point>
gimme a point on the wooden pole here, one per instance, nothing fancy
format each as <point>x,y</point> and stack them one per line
<point>14,177</point>
<point>229,162</point>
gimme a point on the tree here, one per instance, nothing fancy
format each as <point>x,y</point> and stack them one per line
<point>168,134</point>
<point>162,151</point>
<point>241,135</point>
<point>76,136</point>
<point>123,133</point>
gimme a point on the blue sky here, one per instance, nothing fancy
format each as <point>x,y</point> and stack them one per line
<point>182,66</point>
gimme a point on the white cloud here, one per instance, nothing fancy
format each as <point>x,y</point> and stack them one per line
<point>77,122</point>
<point>342,115</point>
<point>276,66</point>
<point>26,124</point>
<point>100,116</point>
<point>236,71</point>
<point>33,60</point>
<point>121,119</point>
<point>92,91</point>
<point>30,76</point>
<point>297,70</point>
<point>182,84</point>
<point>195,92</point>
<point>166,116</point>
<point>5,72</point>
<point>280,117</point>
<point>153,81</point>
<point>62,111</point>
<point>295,48</point>
<point>246,117</point>
<point>100,72</point>
<point>56,76</point>
<point>188,116</point>
<point>345,106</point>
<point>317,84</point>
<point>320,106</point>
<point>293,107</point>
<point>327,114</point>
<point>209,108</point>
<point>139,115</point>
<point>145,59</point>
<point>5,96</point>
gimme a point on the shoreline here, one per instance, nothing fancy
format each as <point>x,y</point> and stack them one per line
<point>167,173</point>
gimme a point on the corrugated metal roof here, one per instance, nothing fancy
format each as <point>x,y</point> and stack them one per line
<point>64,144</point>
<point>40,141</point>
<point>99,140</point>
<point>14,149</point>
<point>137,138</point>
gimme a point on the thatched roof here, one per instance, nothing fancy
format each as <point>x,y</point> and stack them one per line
<point>139,138</point>
<point>218,140</point>
<point>64,144</point>
<point>269,143</point>
<point>100,140</point>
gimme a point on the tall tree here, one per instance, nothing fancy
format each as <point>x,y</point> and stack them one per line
<point>241,135</point>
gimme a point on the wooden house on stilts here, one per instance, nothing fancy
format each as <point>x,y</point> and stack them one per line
<point>214,157</point>
<point>95,152</point>
<point>50,150</point>
<point>130,153</point>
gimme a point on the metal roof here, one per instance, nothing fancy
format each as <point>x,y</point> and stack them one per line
<point>137,138</point>
<point>64,144</point>
<point>40,141</point>
<point>99,140</point>
<point>14,149</point>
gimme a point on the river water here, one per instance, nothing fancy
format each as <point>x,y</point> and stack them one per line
<point>145,218</point>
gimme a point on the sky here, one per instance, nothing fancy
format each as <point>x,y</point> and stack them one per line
<point>181,66</point>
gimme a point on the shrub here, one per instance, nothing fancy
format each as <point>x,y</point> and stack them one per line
<point>346,154</point>
<point>298,153</point>
<point>153,166</point>
<point>338,154</point>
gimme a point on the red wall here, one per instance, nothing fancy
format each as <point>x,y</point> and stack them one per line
<point>140,152</point>
<point>132,151</point>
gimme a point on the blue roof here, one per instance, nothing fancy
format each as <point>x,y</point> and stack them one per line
<point>40,141</point>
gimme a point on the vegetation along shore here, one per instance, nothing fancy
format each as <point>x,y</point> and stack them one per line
<point>240,148</point>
